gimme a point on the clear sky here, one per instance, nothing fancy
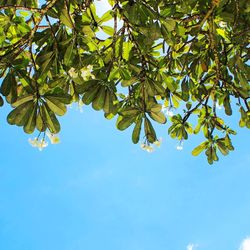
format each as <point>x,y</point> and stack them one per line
<point>96,190</point>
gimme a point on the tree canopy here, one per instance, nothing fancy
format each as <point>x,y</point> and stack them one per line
<point>142,62</point>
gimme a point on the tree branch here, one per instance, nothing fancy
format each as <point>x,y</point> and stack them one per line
<point>17,7</point>
<point>28,37</point>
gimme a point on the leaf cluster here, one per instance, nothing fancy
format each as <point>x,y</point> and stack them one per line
<point>135,59</point>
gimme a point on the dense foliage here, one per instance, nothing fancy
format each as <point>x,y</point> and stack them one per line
<point>139,62</point>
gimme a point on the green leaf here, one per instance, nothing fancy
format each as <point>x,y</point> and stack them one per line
<point>126,83</point>
<point>20,115</point>
<point>6,84</point>
<point>209,154</point>
<point>196,151</point>
<point>57,82</point>
<point>169,82</point>
<point>109,106</point>
<point>169,24</point>
<point>22,100</point>
<point>66,18</point>
<point>227,105</point>
<point>222,147</point>
<point>98,102</point>
<point>105,17</point>
<point>222,33</point>
<point>40,124</point>
<point>45,66</point>
<point>149,131</point>
<point>185,90</point>
<point>1,101</point>
<point>50,119</point>
<point>158,117</point>
<point>156,108</point>
<point>137,131</point>
<point>44,56</point>
<point>86,29</point>
<point>108,30</point>
<point>62,97</point>
<point>127,46</point>
<point>56,106</point>
<point>130,111</point>
<point>90,95</point>
<point>69,53</point>
<point>30,124</point>
<point>125,122</point>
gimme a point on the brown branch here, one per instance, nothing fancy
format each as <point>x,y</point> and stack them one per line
<point>213,47</point>
<point>43,26</point>
<point>208,14</point>
<point>17,7</point>
<point>51,30</point>
<point>113,42</point>
<point>189,112</point>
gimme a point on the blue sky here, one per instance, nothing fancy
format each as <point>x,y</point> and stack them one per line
<point>96,190</point>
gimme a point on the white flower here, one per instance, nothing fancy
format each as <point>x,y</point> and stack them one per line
<point>54,139</point>
<point>180,145</point>
<point>33,142</point>
<point>38,144</point>
<point>150,149</point>
<point>72,72</point>
<point>158,142</point>
<point>168,111</point>
<point>147,148</point>
<point>42,144</point>
<point>86,73</point>
<point>222,24</point>
<point>90,67</point>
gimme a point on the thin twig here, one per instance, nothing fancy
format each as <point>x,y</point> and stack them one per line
<point>17,7</point>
